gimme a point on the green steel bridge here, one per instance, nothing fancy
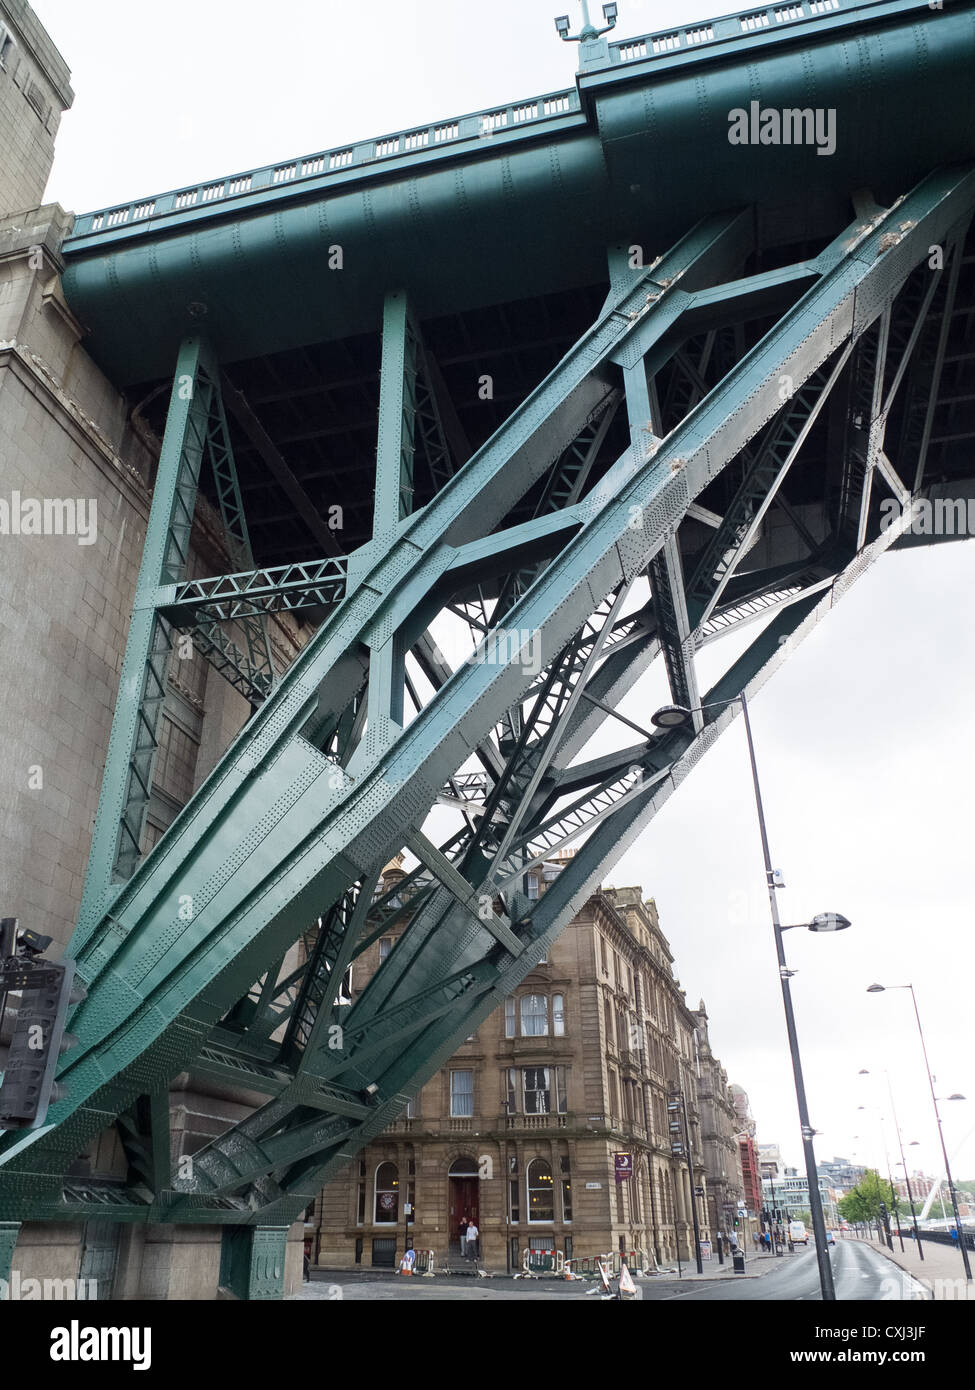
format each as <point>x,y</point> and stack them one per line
<point>561,364</point>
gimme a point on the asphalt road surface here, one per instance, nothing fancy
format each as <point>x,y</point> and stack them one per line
<point>859,1274</point>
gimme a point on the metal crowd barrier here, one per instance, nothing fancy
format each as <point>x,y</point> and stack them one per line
<point>536,1263</point>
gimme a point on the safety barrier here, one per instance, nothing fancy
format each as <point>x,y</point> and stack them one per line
<point>425,1263</point>
<point>535,1263</point>
<point>638,1262</point>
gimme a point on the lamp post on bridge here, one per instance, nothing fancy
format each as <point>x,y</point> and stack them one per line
<point>588,33</point>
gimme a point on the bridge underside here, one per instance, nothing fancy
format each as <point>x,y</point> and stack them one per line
<point>726,443</point>
<point>630,457</point>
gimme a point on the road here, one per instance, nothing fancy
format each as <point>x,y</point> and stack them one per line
<point>859,1274</point>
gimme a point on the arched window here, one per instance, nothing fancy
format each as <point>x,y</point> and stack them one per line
<point>541,1191</point>
<point>387,1194</point>
<point>534,1016</point>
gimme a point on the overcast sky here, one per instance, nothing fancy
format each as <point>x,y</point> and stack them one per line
<point>865,737</point>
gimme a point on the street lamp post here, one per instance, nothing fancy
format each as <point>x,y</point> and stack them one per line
<point>879,989</point>
<point>890,1181</point>
<point>674,716</point>
<point>903,1163</point>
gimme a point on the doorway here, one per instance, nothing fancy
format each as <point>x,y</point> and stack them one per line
<point>464,1198</point>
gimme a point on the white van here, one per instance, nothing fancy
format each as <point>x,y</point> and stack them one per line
<point>798,1233</point>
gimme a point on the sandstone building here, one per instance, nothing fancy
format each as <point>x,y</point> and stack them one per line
<point>523,1126</point>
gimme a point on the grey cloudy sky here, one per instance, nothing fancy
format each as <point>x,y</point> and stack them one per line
<point>865,737</point>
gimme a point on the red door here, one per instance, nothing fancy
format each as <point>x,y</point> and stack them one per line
<point>464,1193</point>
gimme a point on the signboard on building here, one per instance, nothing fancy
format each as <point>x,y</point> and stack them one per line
<point>623,1164</point>
<point>593,1186</point>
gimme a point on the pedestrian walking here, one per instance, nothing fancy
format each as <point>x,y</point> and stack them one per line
<point>472,1236</point>
<point>463,1237</point>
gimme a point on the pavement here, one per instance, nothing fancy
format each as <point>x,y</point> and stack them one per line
<point>941,1271</point>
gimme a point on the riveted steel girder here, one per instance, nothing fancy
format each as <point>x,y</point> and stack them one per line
<point>290,826</point>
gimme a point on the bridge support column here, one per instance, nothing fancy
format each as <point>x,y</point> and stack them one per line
<point>252,1262</point>
<point>9,1231</point>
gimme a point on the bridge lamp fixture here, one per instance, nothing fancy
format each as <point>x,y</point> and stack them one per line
<point>588,32</point>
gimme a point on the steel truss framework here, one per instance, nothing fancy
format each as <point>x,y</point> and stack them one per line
<point>347,752</point>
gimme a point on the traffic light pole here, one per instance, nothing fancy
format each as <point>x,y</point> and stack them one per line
<point>815,1201</point>
<point>680,1096</point>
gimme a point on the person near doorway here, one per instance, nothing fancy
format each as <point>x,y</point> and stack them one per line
<point>463,1237</point>
<point>472,1236</point>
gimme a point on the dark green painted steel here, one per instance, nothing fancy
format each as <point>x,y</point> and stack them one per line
<point>645,156</point>
<point>9,1231</point>
<point>300,815</point>
<point>334,774</point>
<point>252,1262</point>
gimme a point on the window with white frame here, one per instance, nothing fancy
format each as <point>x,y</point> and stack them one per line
<point>509,1087</point>
<point>534,1016</point>
<point>558,1016</point>
<point>462,1094</point>
<point>535,1090</point>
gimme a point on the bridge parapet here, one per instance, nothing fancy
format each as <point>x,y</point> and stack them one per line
<point>333,164</point>
<point>416,145</point>
<point>733,26</point>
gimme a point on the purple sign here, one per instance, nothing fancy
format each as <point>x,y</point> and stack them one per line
<point>623,1164</point>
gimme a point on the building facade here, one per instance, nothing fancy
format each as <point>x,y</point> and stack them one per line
<point>532,1124</point>
<point>790,1194</point>
<point>719,1127</point>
